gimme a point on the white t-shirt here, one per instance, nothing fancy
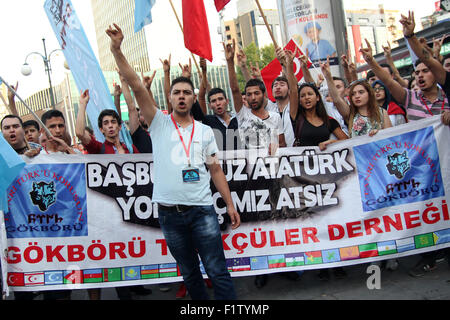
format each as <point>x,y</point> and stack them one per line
<point>256,132</point>
<point>288,130</point>
<point>170,160</point>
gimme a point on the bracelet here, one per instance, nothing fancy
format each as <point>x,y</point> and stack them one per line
<point>410,36</point>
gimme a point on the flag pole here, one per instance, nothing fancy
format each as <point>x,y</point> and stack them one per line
<point>182,31</point>
<point>266,23</point>
<point>29,109</point>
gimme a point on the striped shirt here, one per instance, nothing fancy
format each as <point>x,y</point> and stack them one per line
<point>419,107</point>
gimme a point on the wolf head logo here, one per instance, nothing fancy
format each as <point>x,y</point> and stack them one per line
<point>398,164</point>
<point>43,195</point>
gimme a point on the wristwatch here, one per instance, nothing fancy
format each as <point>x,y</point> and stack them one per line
<point>410,36</point>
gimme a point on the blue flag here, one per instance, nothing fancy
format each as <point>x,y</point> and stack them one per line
<point>11,164</point>
<point>142,13</point>
<point>81,59</point>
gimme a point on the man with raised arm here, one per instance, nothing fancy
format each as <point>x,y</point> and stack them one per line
<point>258,127</point>
<point>425,56</point>
<point>429,101</point>
<point>183,150</point>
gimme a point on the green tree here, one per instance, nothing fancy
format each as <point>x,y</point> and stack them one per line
<point>262,57</point>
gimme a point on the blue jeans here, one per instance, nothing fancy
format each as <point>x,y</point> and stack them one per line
<point>193,233</point>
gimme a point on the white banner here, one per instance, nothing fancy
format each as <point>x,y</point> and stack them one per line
<point>88,221</point>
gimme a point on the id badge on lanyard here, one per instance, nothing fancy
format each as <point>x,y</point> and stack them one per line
<point>190,174</point>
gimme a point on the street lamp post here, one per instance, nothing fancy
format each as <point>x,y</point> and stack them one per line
<point>26,69</point>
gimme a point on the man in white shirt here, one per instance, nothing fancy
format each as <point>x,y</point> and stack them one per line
<point>280,91</point>
<point>182,147</point>
<point>258,127</point>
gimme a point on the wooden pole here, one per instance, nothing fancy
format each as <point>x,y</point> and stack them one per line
<point>267,24</point>
<point>182,31</point>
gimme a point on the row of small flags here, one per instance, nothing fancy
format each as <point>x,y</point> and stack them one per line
<point>233,265</point>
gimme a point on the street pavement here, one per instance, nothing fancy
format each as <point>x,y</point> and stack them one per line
<point>394,285</point>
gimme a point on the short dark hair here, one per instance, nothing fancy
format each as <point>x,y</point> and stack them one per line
<point>11,116</point>
<point>280,78</point>
<point>385,65</point>
<point>52,114</point>
<point>447,56</point>
<point>181,80</point>
<point>418,61</point>
<point>370,74</point>
<point>340,79</point>
<point>31,123</point>
<point>108,112</point>
<point>255,83</point>
<point>215,91</point>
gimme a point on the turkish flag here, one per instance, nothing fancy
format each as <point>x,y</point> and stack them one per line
<point>220,4</point>
<point>15,279</point>
<point>274,69</point>
<point>196,29</point>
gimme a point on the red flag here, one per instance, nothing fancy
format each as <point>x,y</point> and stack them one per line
<point>274,69</point>
<point>196,29</point>
<point>220,4</point>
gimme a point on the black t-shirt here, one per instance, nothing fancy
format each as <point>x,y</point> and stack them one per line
<point>221,132</point>
<point>142,141</point>
<point>312,135</point>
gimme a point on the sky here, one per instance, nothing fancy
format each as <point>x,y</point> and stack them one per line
<point>24,24</point>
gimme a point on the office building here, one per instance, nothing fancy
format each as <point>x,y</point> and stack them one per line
<point>134,46</point>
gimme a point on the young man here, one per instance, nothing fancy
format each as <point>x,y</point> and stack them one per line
<point>182,147</point>
<point>427,102</point>
<point>441,72</point>
<point>56,124</point>
<point>12,129</point>
<point>109,124</point>
<point>258,127</point>
<point>31,128</point>
<point>280,91</point>
<point>224,125</point>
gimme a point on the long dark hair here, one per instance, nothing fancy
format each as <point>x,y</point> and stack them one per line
<point>320,106</point>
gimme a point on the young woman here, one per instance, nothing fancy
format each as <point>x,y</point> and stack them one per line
<point>312,125</point>
<point>363,115</point>
<point>384,100</point>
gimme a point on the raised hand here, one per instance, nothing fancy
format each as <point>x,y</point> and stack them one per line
<point>148,80</point>
<point>166,63</point>
<point>10,93</point>
<point>84,98</point>
<point>387,50</point>
<point>241,58</point>
<point>281,55</point>
<point>116,36</point>
<point>367,52</point>
<point>230,50</point>
<point>186,70</point>
<point>325,67</point>
<point>408,24</point>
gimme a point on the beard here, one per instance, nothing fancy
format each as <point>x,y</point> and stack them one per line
<point>281,98</point>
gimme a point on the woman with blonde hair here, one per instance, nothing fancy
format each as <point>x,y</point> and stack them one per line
<point>363,114</point>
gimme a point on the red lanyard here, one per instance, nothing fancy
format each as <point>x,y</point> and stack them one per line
<point>187,150</point>
<point>428,108</point>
